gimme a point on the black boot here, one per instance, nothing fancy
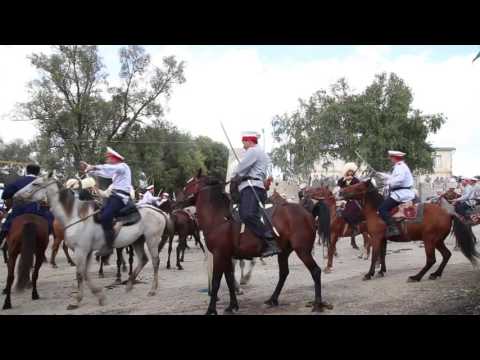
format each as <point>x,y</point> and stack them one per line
<point>271,248</point>
<point>392,229</point>
<point>107,249</point>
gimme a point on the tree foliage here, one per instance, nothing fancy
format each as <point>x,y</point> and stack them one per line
<point>337,123</point>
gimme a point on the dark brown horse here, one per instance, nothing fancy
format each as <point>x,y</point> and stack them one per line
<point>222,235</point>
<point>433,230</point>
<point>28,237</point>
<point>184,226</point>
<point>338,226</point>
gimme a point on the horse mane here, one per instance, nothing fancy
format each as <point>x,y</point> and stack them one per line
<point>373,196</point>
<point>216,192</point>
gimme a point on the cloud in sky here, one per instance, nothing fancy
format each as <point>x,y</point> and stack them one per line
<point>242,87</point>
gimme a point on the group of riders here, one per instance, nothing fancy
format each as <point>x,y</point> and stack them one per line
<point>252,174</point>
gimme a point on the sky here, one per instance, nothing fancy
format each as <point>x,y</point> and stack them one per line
<point>246,86</point>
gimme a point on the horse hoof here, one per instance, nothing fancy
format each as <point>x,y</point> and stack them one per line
<point>367,277</point>
<point>328,270</point>
<point>35,297</point>
<point>168,266</point>
<point>72,307</point>
<point>7,306</point>
<point>179,267</point>
<point>413,279</point>
<point>271,302</point>
<point>321,307</point>
<point>54,266</point>
<point>118,281</point>
<point>239,292</point>
<point>231,310</point>
<point>380,274</point>
<point>151,293</point>
<point>211,312</point>
<point>433,276</point>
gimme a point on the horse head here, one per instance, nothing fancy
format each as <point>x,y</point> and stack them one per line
<point>40,189</point>
<point>356,191</point>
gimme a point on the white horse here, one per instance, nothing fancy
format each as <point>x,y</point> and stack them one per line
<point>84,235</point>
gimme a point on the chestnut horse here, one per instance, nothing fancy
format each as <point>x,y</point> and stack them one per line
<point>223,238</point>
<point>58,237</point>
<point>28,237</point>
<point>436,226</point>
<point>338,226</point>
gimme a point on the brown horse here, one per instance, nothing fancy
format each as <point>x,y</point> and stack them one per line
<point>184,226</point>
<point>28,237</point>
<point>436,226</point>
<point>225,241</point>
<point>58,237</point>
<point>338,226</point>
<point>3,213</point>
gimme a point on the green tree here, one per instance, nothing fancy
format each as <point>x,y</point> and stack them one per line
<point>338,123</point>
<point>75,117</point>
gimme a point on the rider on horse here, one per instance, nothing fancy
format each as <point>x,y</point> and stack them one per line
<point>471,192</point>
<point>148,197</point>
<point>18,209</point>
<point>253,169</point>
<point>400,184</point>
<point>301,192</point>
<point>451,194</point>
<point>352,212</point>
<point>120,173</point>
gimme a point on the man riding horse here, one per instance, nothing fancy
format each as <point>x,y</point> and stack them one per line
<point>469,198</point>
<point>120,173</point>
<point>20,208</point>
<point>352,212</point>
<point>252,171</point>
<point>400,186</point>
<point>149,198</point>
<point>450,195</point>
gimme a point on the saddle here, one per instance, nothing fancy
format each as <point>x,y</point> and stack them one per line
<point>126,216</point>
<point>408,212</point>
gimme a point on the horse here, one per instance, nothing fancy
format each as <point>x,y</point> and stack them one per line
<point>184,226</point>
<point>338,226</point>
<point>436,226</point>
<point>28,237</point>
<point>3,244</point>
<point>58,238</point>
<point>295,226</point>
<point>84,235</point>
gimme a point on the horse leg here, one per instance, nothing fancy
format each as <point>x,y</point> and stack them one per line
<point>247,277</point>
<point>352,241</point>
<point>196,235</point>
<point>118,279</point>
<point>65,250</point>
<point>170,240</point>
<point>242,271</point>
<point>331,250</point>
<point>5,254</point>
<point>153,249</point>
<point>430,253</point>
<point>36,269</point>
<point>446,254</point>
<point>376,249</point>
<point>182,240</point>
<point>216,278</point>
<point>100,271</point>
<point>81,262</point>
<point>282,276</point>
<point>142,261</point>
<point>130,259</point>
<point>383,253</point>
<point>366,246</point>
<point>230,278</point>
<point>97,291</point>
<point>316,272</point>
<point>10,277</point>
<point>55,247</point>
<point>123,263</point>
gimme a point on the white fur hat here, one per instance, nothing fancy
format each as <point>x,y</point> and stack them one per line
<point>396,153</point>
<point>87,183</point>
<point>349,166</point>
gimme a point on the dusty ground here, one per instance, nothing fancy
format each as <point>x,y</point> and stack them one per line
<point>183,292</point>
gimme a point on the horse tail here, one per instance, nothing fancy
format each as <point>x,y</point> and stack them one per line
<point>466,239</point>
<point>323,213</point>
<point>29,238</point>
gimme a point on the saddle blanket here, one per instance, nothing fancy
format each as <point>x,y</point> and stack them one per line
<point>412,213</point>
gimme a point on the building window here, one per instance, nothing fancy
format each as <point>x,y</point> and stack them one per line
<point>437,162</point>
